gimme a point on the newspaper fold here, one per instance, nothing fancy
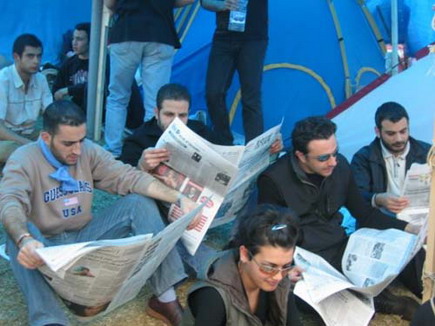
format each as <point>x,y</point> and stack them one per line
<point>95,277</point>
<point>371,261</point>
<point>201,170</point>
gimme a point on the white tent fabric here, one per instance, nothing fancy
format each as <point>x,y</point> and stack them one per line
<point>414,89</point>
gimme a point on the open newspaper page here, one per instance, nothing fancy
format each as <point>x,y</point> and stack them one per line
<point>95,277</point>
<point>255,160</point>
<point>324,289</point>
<point>372,259</point>
<point>417,189</point>
<point>199,172</point>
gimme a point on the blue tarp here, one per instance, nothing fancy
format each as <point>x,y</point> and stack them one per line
<point>305,71</point>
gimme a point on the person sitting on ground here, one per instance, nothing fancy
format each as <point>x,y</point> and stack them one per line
<point>24,94</point>
<point>46,195</point>
<point>173,100</point>
<point>316,181</point>
<point>380,167</point>
<point>72,79</point>
<point>250,284</point>
<point>425,315</point>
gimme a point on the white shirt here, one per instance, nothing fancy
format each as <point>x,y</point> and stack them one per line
<point>396,169</point>
<point>19,109</point>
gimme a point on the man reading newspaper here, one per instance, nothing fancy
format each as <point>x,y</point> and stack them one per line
<point>45,200</point>
<point>316,181</point>
<point>173,100</point>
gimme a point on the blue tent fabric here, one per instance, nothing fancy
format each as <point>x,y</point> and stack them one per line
<point>312,63</point>
<point>304,68</point>
<point>414,19</point>
<point>47,19</point>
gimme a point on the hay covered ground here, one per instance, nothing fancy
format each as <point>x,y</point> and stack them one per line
<point>13,309</point>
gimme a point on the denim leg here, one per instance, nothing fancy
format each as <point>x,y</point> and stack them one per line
<point>42,303</point>
<point>125,58</point>
<point>250,67</point>
<point>220,72</point>
<point>134,215</point>
<point>156,72</point>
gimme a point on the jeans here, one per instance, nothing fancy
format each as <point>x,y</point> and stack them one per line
<point>247,57</point>
<point>155,60</point>
<point>122,219</point>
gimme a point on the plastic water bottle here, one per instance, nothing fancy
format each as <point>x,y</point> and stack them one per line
<point>238,17</point>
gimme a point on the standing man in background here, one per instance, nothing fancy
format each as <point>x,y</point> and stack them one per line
<point>142,34</point>
<point>241,51</point>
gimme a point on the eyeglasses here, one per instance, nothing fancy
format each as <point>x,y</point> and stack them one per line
<point>271,270</point>
<point>325,157</point>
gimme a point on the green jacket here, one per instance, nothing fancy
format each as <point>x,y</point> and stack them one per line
<point>223,275</point>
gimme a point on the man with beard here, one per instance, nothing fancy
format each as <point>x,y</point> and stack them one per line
<point>380,167</point>
<point>46,196</point>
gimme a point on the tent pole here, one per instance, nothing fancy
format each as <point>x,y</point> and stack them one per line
<point>96,73</point>
<point>394,38</point>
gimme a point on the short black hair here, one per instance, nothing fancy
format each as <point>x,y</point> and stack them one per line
<point>84,27</point>
<point>62,113</point>
<point>311,128</point>
<point>391,111</point>
<point>24,40</point>
<point>174,92</point>
<point>267,225</point>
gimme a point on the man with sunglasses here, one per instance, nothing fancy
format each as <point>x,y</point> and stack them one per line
<point>316,181</point>
<point>381,166</point>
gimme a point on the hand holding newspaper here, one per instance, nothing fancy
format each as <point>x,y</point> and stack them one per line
<point>371,261</point>
<point>98,276</point>
<point>417,189</point>
<point>205,172</point>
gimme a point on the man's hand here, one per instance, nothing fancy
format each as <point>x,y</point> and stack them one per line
<point>391,202</point>
<point>187,205</point>
<point>231,4</point>
<point>61,93</point>
<point>412,228</point>
<point>27,255</point>
<point>152,157</point>
<point>295,274</point>
<point>277,145</point>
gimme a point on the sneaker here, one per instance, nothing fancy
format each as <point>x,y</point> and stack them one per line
<point>388,303</point>
<point>171,313</point>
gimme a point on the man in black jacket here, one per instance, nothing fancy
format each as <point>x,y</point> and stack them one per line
<point>380,167</point>
<point>316,181</point>
<point>173,100</point>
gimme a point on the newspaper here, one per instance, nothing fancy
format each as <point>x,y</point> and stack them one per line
<point>93,278</point>
<point>417,189</point>
<point>211,174</point>
<point>255,159</point>
<point>371,261</point>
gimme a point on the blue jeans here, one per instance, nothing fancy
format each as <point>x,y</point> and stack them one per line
<point>155,60</point>
<point>227,56</point>
<point>130,215</point>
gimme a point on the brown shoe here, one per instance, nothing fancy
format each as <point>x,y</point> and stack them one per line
<point>171,313</point>
<point>388,303</point>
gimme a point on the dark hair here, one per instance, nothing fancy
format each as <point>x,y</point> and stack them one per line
<point>84,27</point>
<point>62,113</point>
<point>24,40</point>
<point>391,111</point>
<point>311,128</point>
<point>175,92</point>
<point>267,225</point>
